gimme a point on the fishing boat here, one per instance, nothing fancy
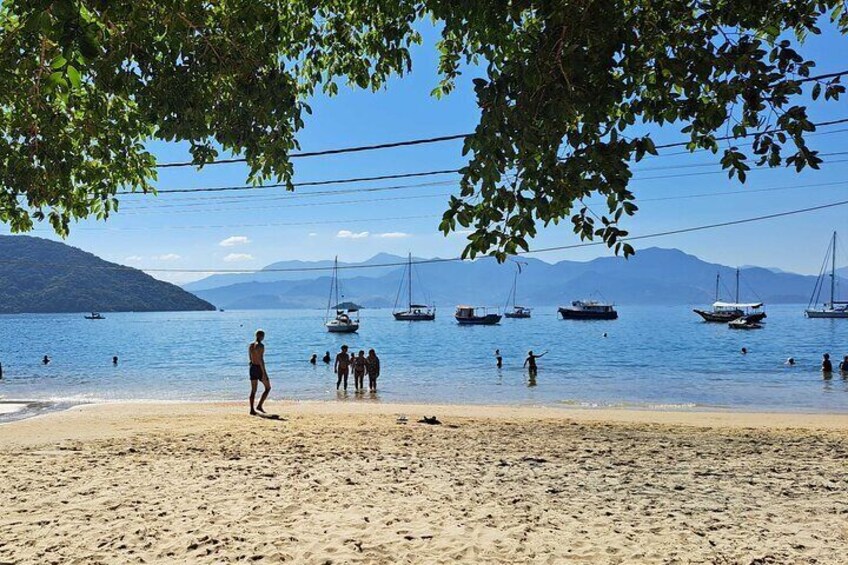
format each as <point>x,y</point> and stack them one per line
<point>516,311</point>
<point>834,308</point>
<point>475,316</point>
<point>95,316</point>
<point>414,312</point>
<point>344,321</point>
<point>588,310</point>
<point>725,312</point>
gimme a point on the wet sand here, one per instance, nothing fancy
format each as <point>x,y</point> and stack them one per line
<point>343,482</point>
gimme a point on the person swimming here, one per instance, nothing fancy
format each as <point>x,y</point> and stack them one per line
<point>790,361</point>
<point>744,351</point>
<point>115,360</point>
<point>843,366</point>
<point>326,358</point>
<point>45,360</point>
<point>314,359</point>
<point>498,358</point>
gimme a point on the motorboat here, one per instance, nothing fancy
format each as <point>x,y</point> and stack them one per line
<point>517,312</point>
<point>95,316</point>
<point>414,312</point>
<point>834,308</point>
<point>343,322</point>
<point>725,312</point>
<point>475,316</point>
<point>588,310</point>
<point>744,323</point>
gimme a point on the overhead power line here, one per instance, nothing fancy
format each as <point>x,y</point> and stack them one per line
<point>666,233</point>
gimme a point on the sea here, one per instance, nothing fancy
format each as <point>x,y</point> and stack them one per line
<point>652,357</point>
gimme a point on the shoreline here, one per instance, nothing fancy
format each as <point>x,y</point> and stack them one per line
<point>124,413</point>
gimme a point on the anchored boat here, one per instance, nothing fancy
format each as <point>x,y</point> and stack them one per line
<point>834,308</point>
<point>517,311</point>
<point>475,316</point>
<point>588,310</point>
<point>344,321</point>
<point>95,316</point>
<point>414,312</point>
<point>725,312</point>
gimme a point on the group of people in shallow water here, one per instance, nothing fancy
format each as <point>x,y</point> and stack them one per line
<point>827,366</point>
<point>359,365</point>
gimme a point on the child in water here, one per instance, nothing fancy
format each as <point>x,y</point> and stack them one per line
<point>360,366</point>
<point>373,370</point>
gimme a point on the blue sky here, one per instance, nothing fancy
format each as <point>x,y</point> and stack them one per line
<point>250,231</point>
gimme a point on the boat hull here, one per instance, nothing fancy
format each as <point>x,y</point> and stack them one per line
<point>412,317</point>
<point>826,313</point>
<point>342,328</point>
<point>487,320</point>
<point>571,314</point>
<point>744,325</point>
<point>517,315</point>
<point>727,317</point>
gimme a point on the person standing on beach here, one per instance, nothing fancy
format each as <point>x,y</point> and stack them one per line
<point>498,358</point>
<point>342,367</point>
<point>827,366</point>
<point>256,353</point>
<point>531,361</point>
<point>373,370</point>
<point>360,366</point>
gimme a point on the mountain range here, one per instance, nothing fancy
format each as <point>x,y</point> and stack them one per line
<point>652,276</point>
<point>40,275</point>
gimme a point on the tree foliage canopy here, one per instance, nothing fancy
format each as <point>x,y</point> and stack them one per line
<point>85,84</point>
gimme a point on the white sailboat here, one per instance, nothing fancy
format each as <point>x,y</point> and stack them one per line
<point>834,308</point>
<point>344,321</point>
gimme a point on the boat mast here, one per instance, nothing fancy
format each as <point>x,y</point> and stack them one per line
<point>410,281</point>
<point>737,285</point>
<point>833,271</point>
<point>718,279</point>
<point>514,290</point>
<point>336,280</point>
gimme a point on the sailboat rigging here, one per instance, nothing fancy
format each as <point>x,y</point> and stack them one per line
<point>414,312</point>
<point>343,322</point>
<point>834,308</point>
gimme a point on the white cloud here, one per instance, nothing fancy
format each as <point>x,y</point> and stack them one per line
<point>347,234</point>
<point>234,240</point>
<point>237,257</point>
<point>168,257</point>
<point>394,235</point>
<point>132,259</point>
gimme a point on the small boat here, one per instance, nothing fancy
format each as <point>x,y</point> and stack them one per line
<point>834,308</point>
<point>472,316</point>
<point>95,316</point>
<point>744,323</point>
<point>343,322</point>
<point>414,312</point>
<point>588,310</point>
<point>517,312</point>
<point>726,312</point>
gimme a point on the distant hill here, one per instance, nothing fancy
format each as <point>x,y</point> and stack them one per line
<point>40,275</point>
<point>652,276</point>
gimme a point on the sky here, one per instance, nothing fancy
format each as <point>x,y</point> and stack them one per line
<point>250,230</point>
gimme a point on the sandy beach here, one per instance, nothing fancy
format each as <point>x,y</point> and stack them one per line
<point>346,483</point>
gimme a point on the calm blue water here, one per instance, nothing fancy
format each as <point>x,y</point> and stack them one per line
<point>653,356</point>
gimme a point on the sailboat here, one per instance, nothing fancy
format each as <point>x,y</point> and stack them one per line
<point>414,312</point>
<point>517,311</point>
<point>344,321</point>
<point>834,308</point>
<point>725,312</point>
